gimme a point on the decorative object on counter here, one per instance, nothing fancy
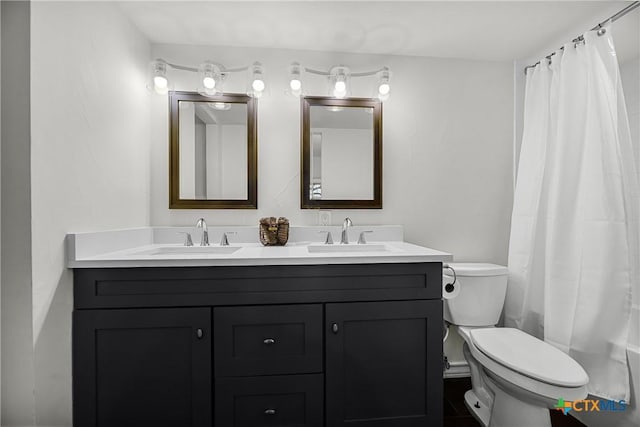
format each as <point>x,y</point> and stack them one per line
<point>274,232</point>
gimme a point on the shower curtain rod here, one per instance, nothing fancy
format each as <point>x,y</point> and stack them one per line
<point>612,18</point>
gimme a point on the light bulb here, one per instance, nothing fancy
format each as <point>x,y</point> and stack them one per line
<point>160,82</point>
<point>211,79</point>
<point>340,91</point>
<point>256,73</point>
<point>295,84</point>
<point>209,82</point>
<point>258,85</point>
<point>384,76</point>
<point>295,79</point>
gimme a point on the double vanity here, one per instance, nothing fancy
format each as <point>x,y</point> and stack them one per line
<point>308,334</point>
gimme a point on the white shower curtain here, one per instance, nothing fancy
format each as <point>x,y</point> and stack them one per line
<point>573,255</point>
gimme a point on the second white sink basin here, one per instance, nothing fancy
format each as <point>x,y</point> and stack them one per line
<point>337,248</point>
<point>186,250</point>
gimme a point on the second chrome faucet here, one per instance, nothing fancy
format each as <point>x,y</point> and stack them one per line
<point>205,232</point>
<point>344,238</point>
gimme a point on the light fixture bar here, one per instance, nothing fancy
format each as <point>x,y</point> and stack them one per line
<point>361,74</point>
<point>338,78</point>
<point>195,70</point>
<point>212,76</point>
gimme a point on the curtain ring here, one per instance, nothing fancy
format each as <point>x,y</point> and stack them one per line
<point>602,31</point>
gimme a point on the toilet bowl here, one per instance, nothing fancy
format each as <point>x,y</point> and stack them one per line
<point>515,377</point>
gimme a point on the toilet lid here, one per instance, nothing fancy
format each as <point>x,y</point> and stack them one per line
<point>467,269</point>
<point>529,356</point>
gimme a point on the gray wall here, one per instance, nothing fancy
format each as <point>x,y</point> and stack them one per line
<point>17,334</point>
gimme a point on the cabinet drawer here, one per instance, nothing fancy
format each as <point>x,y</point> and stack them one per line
<point>268,340</point>
<point>283,401</point>
<point>254,285</point>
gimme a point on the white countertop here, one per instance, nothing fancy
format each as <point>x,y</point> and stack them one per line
<point>136,247</point>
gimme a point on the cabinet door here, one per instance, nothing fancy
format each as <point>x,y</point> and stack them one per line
<point>384,364</point>
<point>144,367</point>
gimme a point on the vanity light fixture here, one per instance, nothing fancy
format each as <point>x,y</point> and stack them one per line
<point>295,79</point>
<point>257,80</point>
<point>384,77</point>
<point>210,79</point>
<point>339,79</point>
<point>158,80</point>
<point>211,76</point>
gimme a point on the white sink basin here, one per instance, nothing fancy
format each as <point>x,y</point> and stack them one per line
<point>337,248</point>
<point>187,250</point>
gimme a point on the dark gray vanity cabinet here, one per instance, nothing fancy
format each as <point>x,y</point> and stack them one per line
<point>383,364</point>
<point>294,346</point>
<point>142,367</point>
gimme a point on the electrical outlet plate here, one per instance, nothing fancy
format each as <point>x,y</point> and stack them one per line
<point>324,217</point>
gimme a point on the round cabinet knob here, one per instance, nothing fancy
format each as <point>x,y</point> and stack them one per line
<point>199,333</point>
<point>269,341</point>
<point>334,328</point>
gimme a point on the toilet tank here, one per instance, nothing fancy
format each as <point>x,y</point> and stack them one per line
<point>482,289</point>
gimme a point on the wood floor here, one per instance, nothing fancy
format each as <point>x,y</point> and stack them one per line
<point>456,413</point>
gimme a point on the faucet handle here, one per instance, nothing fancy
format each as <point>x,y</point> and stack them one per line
<point>329,239</point>
<point>361,239</point>
<point>187,238</point>
<point>224,241</point>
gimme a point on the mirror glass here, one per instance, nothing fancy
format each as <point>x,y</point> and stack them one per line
<point>341,150</point>
<point>341,153</point>
<point>213,151</point>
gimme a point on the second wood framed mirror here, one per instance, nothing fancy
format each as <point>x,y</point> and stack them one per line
<point>341,153</point>
<point>213,160</point>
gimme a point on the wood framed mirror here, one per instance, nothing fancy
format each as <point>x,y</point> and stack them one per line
<point>213,158</point>
<point>341,153</point>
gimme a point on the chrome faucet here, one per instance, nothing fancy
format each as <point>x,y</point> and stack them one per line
<point>205,232</point>
<point>344,239</point>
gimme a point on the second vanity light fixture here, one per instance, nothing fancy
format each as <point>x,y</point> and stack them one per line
<point>211,77</point>
<point>339,80</point>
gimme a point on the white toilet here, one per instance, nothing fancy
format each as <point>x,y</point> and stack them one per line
<point>515,377</point>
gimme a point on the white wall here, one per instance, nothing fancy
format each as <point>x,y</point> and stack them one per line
<point>17,333</point>
<point>90,163</point>
<point>446,124</point>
